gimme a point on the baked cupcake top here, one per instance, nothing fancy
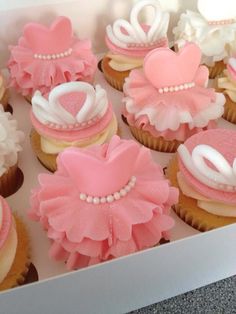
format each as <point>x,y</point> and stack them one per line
<point>8,239</point>
<point>228,80</point>
<point>129,40</point>
<point>10,141</point>
<point>73,112</point>
<point>213,29</point>
<point>169,97</point>
<point>207,170</point>
<point>48,56</point>
<point>103,202</point>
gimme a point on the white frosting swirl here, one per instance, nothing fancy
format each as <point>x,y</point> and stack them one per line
<point>10,141</point>
<point>133,32</point>
<point>51,110</point>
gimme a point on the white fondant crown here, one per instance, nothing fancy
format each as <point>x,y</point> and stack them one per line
<point>223,177</point>
<point>52,113</point>
<point>126,34</point>
<point>217,10</point>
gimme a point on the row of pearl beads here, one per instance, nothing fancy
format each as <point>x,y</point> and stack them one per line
<point>222,22</point>
<point>176,88</point>
<point>152,44</point>
<point>110,198</point>
<point>229,188</point>
<point>53,56</point>
<point>73,126</point>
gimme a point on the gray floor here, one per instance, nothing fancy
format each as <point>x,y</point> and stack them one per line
<point>218,298</point>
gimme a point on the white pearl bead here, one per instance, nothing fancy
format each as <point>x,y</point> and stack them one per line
<point>186,86</point>
<point>161,90</point>
<point>133,178</point>
<point>62,55</point>
<point>116,196</point>
<point>110,198</point>
<point>127,188</point>
<point>89,199</point>
<point>53,56</point>
<point>103,200</point>
<point>96,200</point>
<point>176,88</point>
<point>166,89</point>
<point>48,57</point>
<point>58,55</point>
<point>181,87</point>
<point>35,56</point>
<point>83,196</point>
<point>172,89</point>
<point>131,184</point>
<point>123,192</point>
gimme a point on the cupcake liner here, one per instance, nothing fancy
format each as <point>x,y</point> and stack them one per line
<point>216,70</point>
<point>9,182</point>
<point>229,110</point>
<point>158,144</point>
<point>114,78</point>
<point>47,160</point>
<point>28,98</point>
<point>188,210</point>
<point>4,100</point>
<point>20,266</point>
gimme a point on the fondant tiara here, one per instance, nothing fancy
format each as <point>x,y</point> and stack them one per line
<point>218,12</point>
<point>221,177</point>
<point>132,34</point>
<point>55,113</point>
<point>50,42</point>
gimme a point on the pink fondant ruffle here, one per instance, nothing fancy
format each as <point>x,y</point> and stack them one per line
<point>28,74</point>
<point>85,234</point>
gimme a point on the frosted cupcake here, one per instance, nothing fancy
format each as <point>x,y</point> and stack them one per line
<point>14,249</point>
<point>96,220</point>
<point>73,114</point>
<point>162,111</point>
<point>205,174</point>
<point>129,42</point>
<point>10,145</point>
<point>48,56</point>
<point>213,29</point>
<point>227,84</point>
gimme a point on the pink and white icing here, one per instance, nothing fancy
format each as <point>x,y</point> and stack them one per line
<point>133,39</point>
<point>73,112</point>
<point>8,239</point>
<point>91,220</point>
<point>207,170</point>
<point>228,81</point>
<point>169,97</point>
<point>213,29</point>
<point>48,56</point>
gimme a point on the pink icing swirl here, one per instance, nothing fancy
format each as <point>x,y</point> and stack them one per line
<point>28,74</point>
<point>84,233</point>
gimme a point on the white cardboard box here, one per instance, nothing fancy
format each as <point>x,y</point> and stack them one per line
<point>190,261</point>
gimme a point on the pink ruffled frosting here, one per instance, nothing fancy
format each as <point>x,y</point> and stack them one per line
<point>176,114</point>
<point>84,233</point>
<point>223,141</point>
<point>28,74</point>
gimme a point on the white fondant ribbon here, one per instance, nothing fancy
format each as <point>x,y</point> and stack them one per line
<point>123,33</point>
<point>223,178</point>
<point>51,111</point>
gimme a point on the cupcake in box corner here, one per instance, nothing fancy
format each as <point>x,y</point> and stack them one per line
<point>129,42</point>
<point>72,114</point>
<point>48,56</point>
<point>213,29</point>
<point>114,201</point>
<point>205,173</point>
<point>227,85</point>
<point>14,248</point>
<point>10,145</point>
<point>167,101</point>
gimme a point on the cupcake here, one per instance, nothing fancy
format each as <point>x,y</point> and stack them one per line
<point>90,220</point>
<point>14,249</point>
<point>213,29</point>
<point>129,42</point>
<point>73,114</point>
<point>227,84</point>
<point>4,97</point>
<point>48,56</point>
<point>10,145</point>
<point>162,111</point>
<point>204,171</point>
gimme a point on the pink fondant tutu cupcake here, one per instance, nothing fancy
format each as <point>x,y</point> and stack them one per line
<point>167,101</point>
<point>72,114</point>
<point>48,56</point>
<point>130,42</point>
<point>103,202</point>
